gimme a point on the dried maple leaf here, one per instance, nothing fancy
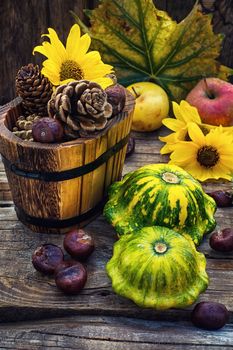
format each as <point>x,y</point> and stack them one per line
<point>144,43</point>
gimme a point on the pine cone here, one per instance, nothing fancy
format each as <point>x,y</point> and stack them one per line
<point>34,88</point>
<point>23,128</point>
<point>80,105</point>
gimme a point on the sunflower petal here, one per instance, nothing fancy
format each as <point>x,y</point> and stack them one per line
<point>93,56</point>
<point>169,138</point>
<point>184,152</point>
<point>196,134</point>
<point>177,111</point>
<point>103,82</point>
<point>190,113</point>
<point>223,168</point>
<point>48,50</point>
<point>95,74</point>
<point>100,69</point>
<point>56,43</point>
<point>85,42</point>
<point>219,172</point>
<point>166,149</point>
<point>51,65</point>
<point>73,42</point>
<point>228,160</point>
<point>41,49</point>
<point>173,124</point>
<point>199,172</point>
<point>66,81</point>
<point>219,137</point>
<point>51,75</point>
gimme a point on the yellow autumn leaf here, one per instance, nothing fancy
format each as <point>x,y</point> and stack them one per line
<point>144,43</point>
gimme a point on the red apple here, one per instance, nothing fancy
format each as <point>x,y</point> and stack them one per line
<point>213,99</point>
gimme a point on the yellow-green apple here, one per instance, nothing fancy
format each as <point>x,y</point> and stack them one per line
<point>152,105</point>
<point>213,99</point>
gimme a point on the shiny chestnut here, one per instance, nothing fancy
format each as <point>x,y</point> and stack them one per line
<point>209,315</point>
<point>79,244</point>
<point>222,198</point>
<point>71,278</point>
<point>47,130</point>
<point>222,240</point>
<point>46,258</point>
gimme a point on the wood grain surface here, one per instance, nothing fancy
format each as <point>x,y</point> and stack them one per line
<point>35,315</point>
<point>104,333</point>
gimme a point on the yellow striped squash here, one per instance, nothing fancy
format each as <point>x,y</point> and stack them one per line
<point>157,268</point>
<point>163,195</point>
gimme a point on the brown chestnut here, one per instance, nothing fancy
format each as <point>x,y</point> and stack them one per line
<point>209,315</point>
<point>222,198</point>
<point>71,279</point>
<point>47,130</point>
<point>78,244</point>
<point>64,264</point>
<point>116,97</point>
<point>222,240</point>
<point>47,257</point>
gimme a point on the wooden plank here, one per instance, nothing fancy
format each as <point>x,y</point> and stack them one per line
<point>105,333</point>
<point>5,193</point>
<point>25,293</point>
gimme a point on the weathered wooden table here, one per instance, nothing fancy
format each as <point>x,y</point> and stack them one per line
<point>35,315</point>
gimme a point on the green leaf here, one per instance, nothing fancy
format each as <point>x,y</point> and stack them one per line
<point>144,43</point>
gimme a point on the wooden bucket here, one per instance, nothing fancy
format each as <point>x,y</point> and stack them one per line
<point>56,187</point>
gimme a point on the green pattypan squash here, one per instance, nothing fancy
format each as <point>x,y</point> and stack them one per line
<point>157,268</point>
<point>163,195</point>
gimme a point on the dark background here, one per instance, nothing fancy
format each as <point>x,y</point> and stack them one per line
<point>23,22</point>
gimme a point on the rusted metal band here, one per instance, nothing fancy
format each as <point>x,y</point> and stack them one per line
<point>59,223</point>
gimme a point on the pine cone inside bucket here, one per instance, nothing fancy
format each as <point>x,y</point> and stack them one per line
<point>34,88</point>
<point>80,105</point>
<point>23,128</point>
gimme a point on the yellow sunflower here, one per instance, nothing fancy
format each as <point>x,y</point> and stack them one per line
<point>184,114</point>
<point>73,62</point>
<point>205,156</point>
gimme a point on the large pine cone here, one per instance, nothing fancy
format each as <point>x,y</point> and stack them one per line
<point>80,105</point>
<point>34,88</point>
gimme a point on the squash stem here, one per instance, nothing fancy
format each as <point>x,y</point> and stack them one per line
<point>160,247</point>
<point>170,177</point>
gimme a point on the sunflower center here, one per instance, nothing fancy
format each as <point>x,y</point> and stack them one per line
<point>70,70</point>
<point>207,156</point>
